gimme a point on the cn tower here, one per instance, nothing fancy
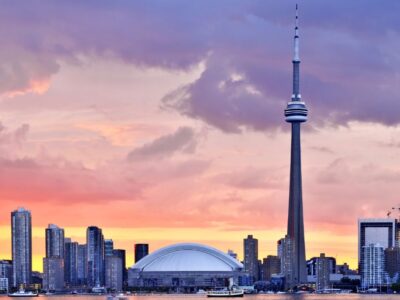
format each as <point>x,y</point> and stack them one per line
<point>296,113</point>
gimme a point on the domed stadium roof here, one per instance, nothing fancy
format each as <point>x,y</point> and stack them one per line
<point>188,257</point>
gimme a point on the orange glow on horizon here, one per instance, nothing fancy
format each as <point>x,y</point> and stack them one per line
<point>125,238</point>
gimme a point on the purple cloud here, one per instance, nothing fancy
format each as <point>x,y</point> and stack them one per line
<point>349,67</point>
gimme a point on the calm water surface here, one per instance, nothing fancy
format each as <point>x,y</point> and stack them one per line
<point>246,297</point>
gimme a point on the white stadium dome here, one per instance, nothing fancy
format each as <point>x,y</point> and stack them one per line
<point>188,257</point>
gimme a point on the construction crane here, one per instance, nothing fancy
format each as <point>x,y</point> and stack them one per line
<point>389,212</point>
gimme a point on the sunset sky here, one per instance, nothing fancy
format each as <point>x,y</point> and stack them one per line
<point>162,121</point>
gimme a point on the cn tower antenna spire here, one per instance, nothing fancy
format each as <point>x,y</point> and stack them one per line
<point>296,56</point>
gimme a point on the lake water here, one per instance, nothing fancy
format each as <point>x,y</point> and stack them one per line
<point>246,297</point>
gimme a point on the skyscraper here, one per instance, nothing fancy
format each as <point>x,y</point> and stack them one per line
<point>108,247</point>
<point>54,241</point>
<point>53,273</point>
<point>392,262</point>
<point>53,263</point>
<point>114,273</point>
<point>296,113</point>
<point>71,263</point>
<point>286,251</point>
<point>373,266</point>
<point>375,231</point>
<point>21,234</point>
<point>6,273</point>
<point>322,271</point>
<point>122,255</point>
<point>95,256</point>
<point>81,265</point>
<point>250,247</point>
<point>141,250</point>
<point>271,265</point>
<point>312,265</point>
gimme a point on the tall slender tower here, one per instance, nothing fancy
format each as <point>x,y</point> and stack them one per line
<point>54,241</point>
<point>94,256</point>
<point>296,113</point>
<point>21,234</point>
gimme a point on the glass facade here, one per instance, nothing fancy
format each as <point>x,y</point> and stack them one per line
<point>21,235</point>
<point>95,256</point>
<point>380,232</point>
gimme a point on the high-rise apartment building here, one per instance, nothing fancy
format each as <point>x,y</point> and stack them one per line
<point>375,231</point>
<point>271,265</point>
<point>54,241</point>
<point>122,255</point>
<point>114,273</point>
<point>373,273</point>
<point>312,265</point>
<point>53,273</point>
<point>53,263</point>
<point>250,247</point>
<point>21,235</point>
<point>81,265</point>
<point>108,247</point>
<point>95,256</point>
<point>392,263</point>
<point>323,270</point>
<point>141,250</point>
<point>71,264</point>
<point>6,272</point>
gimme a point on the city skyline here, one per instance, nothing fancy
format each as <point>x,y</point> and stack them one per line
<point>138,119</point>
<point>57,241</point>
<point>66,266</point>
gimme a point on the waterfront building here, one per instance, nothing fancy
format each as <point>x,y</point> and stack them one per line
<point>141,250</point>
<point>108,247</point>
<point>312,265</point>
<point>71,264</point>
<point>373,273</point>
<point>114,273</point>
<point>271,265</point>
<point>6,277</point>
<point>53,263</point>
<point>185,267</point>
<point>53,273</point>
<point>4,288</point>
<point>21,235</point>
<point>36,280</point>
<point>323,268</point>
<point>94,256</point>
<point>296,113</point>
<point>122,255</point>
<point>392,263</point>
<point>286,245</point>
<point>81,265</point>
<point>375,231</point>
<point>54,241</point>
<point>250,247</point>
